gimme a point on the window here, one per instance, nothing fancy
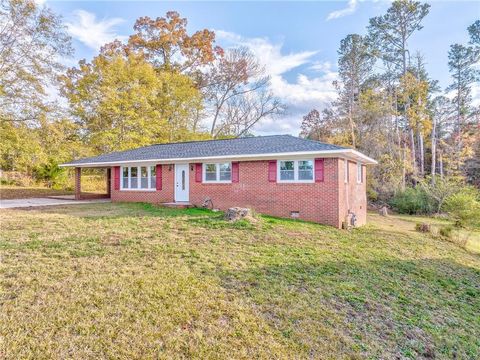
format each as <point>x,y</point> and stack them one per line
<point>359,172</point>
<point>287,170</point>
<point>219,172</point>
<point>295,171</point>
<point>305,170</point>
<point>138,178</point>
<point>144,177</point>
<point>346,171</point>
<point>211,172</point>
<point>133,177</point>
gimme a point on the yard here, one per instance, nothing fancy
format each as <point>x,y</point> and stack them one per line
<point>136,281</point>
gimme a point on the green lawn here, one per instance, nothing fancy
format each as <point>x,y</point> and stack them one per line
<point>134,281</point>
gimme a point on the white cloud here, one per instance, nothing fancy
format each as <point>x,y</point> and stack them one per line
<point>350,9</point>
<point>92,32</point>
<point>300,94</point>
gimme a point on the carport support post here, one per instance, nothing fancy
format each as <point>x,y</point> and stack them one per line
<point>78,183</point>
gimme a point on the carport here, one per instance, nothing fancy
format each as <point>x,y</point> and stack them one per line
<point>81,195</point>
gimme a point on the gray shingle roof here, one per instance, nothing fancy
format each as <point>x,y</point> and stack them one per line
<point>211,148</point>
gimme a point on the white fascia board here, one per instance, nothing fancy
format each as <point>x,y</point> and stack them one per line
<point>348,153</point>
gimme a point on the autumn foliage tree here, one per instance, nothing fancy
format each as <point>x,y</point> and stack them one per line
<point>123,102</point>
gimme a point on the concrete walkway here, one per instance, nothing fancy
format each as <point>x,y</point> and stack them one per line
<point>23,203</point>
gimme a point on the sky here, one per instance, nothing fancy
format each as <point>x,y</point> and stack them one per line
<point>296,41</point>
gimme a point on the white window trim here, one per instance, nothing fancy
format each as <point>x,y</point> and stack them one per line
<point>217,169</point>
<point>139,181</point>
<point>359,173</point>
<point>295,172</point>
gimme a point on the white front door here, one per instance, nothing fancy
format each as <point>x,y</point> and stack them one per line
<point>181,182</point>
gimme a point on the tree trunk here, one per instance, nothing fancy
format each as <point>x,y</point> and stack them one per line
<point>441,164</point>
<point>404,169</point>
<point>413,154</point>
<point>434,149</point>
<point>421,154</point>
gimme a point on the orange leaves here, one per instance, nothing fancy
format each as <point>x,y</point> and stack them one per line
<point>165,42</point>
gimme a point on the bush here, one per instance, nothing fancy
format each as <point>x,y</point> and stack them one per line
<point>372,195</point>
<point>16,178</point>
<point>422,227</point>
<point>53,176</point>
<point>464,207</point>
<point>412,201</point>
<point>446,231</point>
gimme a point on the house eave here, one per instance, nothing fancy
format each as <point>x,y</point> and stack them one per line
<point>343,153</point>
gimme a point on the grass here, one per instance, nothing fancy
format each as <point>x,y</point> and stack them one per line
<point>137,281</point>
<point>94,184</point>
<point>21,192</point>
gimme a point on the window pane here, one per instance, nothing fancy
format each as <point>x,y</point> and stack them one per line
<point>359,172</point>
<point>125,178</point>
<point>287,170</point>
<point>134,179</point>
<point>211,172</point>
<point>153,178</point>
<point>305,170</point>
<point>144,175</point>
<point>225,172</point>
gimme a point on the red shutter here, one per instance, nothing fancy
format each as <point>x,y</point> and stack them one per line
<point>198,172</point>
<point>235,175</point>
<point>272,171</point>
<point>319,170</point>
<point>158,179</point>
<point>116,172</point>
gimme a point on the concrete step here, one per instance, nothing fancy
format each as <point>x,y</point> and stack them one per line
<point>178,204</point>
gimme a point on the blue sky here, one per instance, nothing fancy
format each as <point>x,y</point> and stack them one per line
<point>297,41</point>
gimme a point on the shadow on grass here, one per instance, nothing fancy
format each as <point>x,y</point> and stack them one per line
<point>390,308</point>
<point>121,210</point>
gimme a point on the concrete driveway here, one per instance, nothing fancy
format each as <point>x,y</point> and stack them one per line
<point>23,203</point>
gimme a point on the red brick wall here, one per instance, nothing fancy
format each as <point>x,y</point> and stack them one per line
<point>352,195</point>
<point>323,202</point>
<point>315,201</point>
<point>164,195</point>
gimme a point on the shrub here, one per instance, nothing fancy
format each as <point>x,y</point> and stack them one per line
<point>53,176</point>
<point>422,227</point>
<point>446,231</point>
<point>412,201</point>
<point>372,195</point>
<point>16,178</point>
<point>464,207</point>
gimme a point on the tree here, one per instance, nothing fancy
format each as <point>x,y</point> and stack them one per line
<point>122,102</point>
<point>461,65</point>
<point>441,113</point>
<point>474,32</point>
<point>355,65</point>
<point>389,35</point>
<point>165,43</point>
<point>32,40</point>
<point>238,94</point>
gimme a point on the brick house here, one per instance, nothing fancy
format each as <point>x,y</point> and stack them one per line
<point>279,175</point>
